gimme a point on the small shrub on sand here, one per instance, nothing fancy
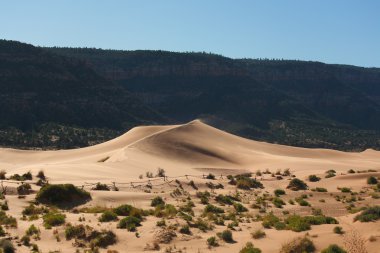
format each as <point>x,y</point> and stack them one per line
<point>108,216</point>
<point>246,183</point>
<point>7,246</point>
<point>278,202</point>
<point>128,210</point>
<point>333,248</point>
<point>270,220</point>
<point>212,241</point>
<point>62,195</point>
<point>372,180</point>
<point>160,172</point>
<point>130,223</point>
<point>24,189</point>
<point>185,229</point>
<point>314,178</point>
<point>298,245</point>
<point>53,219</point>
<point>297,184</point>
<point>369,214</point>
<point>32,230</point>
<point>78,231</point>
<point>41,175</point>
<point>100,187</point>
<point>279,192</point>
<point>249,248</point>
<point>157,201</point>
<point>7,220</point>
<point>240,208</point>
<point>213,209</point>
<point>102,239</point>
<point>2,174</point>
<point>226,236</point>
<point>338,230</point>
<point>258,234</point>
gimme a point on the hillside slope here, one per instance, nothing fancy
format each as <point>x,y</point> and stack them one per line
<point>44,96</point>
<point>297,103</point>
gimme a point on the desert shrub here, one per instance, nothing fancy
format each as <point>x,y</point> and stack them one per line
<point>240,208</point>
<point>246,183</point>
<point>25,240</point>
<point>32,230</point>
<point>202,225</point>
<point>157,201</point>
<point>41,175</point>
<point>209,208</point>
<point>108,216</point>
<point>7,220</point>
<point>23,177</point>
<point>372,180</point>
<point>369,214</point>
<point>62,195</point>
<point>249,248</point>
<point>279,192</point>
<point>258,234</point>
<point>226,236</point>
<point>130,223</point>
<point>269,220</point>
<point>53,219</point>
<point>212,241</point>
<point>333,248</point>
<point>7,246</point>
<point>224,199</point>
<point>102,239</point>
<point>100,187</point>
<point>351,171</point>
<point>298,245</point>
<point>168,211</point>
<point>302,202</point>
<point>297,184</point>
<point>128,210</point>
<point>210,176</point>
<point>185,230</point>
<point>24,189</point>
<point>192,184</point>
<point>2,231</point>
<point>2,174</point>
<point>278,202</point>
<point>78,231</point>
<point>330,173</point>
<point>160,172</point>
<point>345,189</point>
<point>34,210</point>
<point>314,178</point>
<point>338,230</point>
<point>297,223</point>
<point>4,206</point>
<point>320,189</point>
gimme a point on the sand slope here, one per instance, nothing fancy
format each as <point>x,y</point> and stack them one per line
<point>180,149</point>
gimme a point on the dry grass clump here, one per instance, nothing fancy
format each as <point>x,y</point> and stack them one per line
<point>298,245</point>
<point>164,235</point>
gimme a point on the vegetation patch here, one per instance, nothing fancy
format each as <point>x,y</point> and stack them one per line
<point>62,195</point>
<point>369,214</point>
<point>297,184</point>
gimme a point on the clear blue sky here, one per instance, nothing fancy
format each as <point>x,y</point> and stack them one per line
<point>332,31</point>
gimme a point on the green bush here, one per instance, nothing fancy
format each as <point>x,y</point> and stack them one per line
<point>279,192</point>
<point>258,234</point>
<point>372,180</point>
<point>269,220</point>
<point>130,223</point>
<point>278,202</point>
<point>108,216</point>
<point>226,236</point>
<point>297,223</point>
<point>299,245</point>
<point>296,184</point>
<point>320,189</point>
<point>32,230</point>
<point>7,220</point>
<point>246,183</point>
<point>333,248</point>
<point>157,201</point>
<point>62,195</point>
<point>369,214</point>
<point>7,246</point>
<point>224,199</point>
<point>240,208</point>
<point>24,189</point>
<point>185,230</point>
<point>128,210</point>
<point>212,242</point>
<point>102,239</point>
<point>213,209</point>
<point>314,178</point>
<point>338,230</point>
<point>249,248</point>
<point>78,231</point>
<point>53,219</point>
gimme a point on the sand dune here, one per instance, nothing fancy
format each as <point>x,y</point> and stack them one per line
<point>180,149</point>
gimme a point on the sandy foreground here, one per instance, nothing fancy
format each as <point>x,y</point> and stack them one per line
<point>188,152</point>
